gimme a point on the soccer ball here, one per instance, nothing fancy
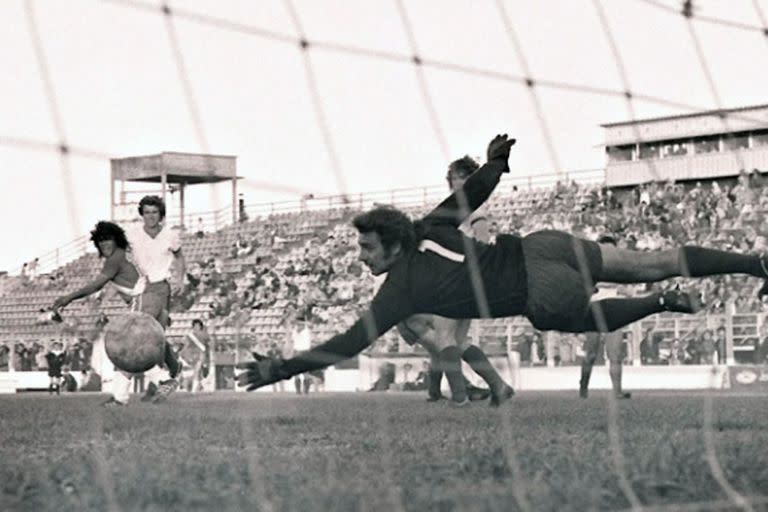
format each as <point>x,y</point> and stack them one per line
<point>134,342</point>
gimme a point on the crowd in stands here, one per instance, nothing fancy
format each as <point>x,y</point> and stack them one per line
<point>30,356</point>
<point>262,269</point>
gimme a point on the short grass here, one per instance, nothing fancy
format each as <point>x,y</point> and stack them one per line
<point>379,451</point>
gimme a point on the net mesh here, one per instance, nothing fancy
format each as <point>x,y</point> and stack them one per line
<point>688,13</point>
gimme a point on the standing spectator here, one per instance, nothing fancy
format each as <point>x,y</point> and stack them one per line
<point>694,346</point>
<point>40,360</point>
<point>197,352</point>
<point>75,356</point>
<point>4,356</point>
<point>628,347</point>
<point>56,358</point>
<point>525,347</point>
<point>539,349</point>
<point>649,348</point>
<point>720,344</point>
<point>274,352</point>
<point>200,228</point>
<point>677,352</point>
<point>706,348</point>
<point>301,336</point>
<point>243,215</point>
<point>32,269</point>
<point>21,358</point>
<point>761,345</point>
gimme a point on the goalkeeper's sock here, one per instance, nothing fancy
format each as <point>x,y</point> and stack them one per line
<point>450,359</point>
<point>699,261</point>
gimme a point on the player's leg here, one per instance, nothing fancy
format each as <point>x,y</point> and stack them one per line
<point>450,331</point>
<point>447,356</point>
<point>121,388</point>
<point>450,363</point>
<point>592,347</point>
<point>434,378</point>
<point>155,301</point>
<point>481,365</point>
<point>297,384</point>
<point>562,271</point>
<point>613,344</point>
<point>610,314</point>
<point>626,266</point>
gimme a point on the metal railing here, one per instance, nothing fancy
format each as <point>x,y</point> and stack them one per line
<point>212,221</point>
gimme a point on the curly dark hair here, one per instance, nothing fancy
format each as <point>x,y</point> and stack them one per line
<point>108,231</point>
<point>463,167</point>
<point>152,201</point>
<point>392,226</point>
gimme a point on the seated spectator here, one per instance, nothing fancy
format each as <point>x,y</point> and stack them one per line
<point>421,381</point>
<point>68,382</point>
<point>91,380</point>
<point>386,378</point>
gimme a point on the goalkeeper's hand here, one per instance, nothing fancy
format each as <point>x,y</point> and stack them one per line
<point>498,148</point>
<point>260,372</point>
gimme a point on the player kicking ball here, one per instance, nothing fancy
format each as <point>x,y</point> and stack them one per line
<point>112,244</point>
<point>547,276</point>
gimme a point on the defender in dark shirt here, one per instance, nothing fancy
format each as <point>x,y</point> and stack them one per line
<point>548,276</point>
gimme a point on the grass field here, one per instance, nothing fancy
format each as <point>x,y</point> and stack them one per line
<point>541,451</point>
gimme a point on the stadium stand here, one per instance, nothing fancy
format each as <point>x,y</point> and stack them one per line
<point>251,279</point>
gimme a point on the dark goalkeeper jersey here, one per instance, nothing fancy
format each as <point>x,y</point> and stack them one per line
<point>437,277</point>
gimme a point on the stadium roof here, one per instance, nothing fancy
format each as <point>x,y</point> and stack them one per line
<point>186,168</point>
<point>718,112</point>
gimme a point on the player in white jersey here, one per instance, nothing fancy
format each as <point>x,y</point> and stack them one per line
<point>155,248</point>
<point>446,338</point>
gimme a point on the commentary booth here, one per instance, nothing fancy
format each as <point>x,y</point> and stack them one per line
<point>174,172</point>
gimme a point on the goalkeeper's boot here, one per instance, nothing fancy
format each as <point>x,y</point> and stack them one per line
<point>681,302</point>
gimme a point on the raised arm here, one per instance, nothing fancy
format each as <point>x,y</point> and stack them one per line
<point>108,272</point>
<point>390,306</point>
<point>478,187</point>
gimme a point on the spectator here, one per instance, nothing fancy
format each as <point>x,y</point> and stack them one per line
<point>197,352</point>
<point>200,233</point>
<point>91,380</point>
<point>40,360</point>
<point>21,361</point>
<point>649,348</point>
<point>68,382</point>
<point>421,381</point>
<point>32,269</point>
<point>4,357</point>
<point>706,348</point>
<point>720,344</point>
